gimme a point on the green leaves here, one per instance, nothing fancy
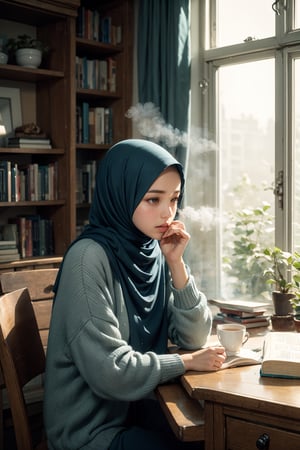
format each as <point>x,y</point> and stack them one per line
<point>248,230</point>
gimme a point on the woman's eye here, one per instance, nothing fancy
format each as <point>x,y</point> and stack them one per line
<point>153,200</point>
<point>175,200</point>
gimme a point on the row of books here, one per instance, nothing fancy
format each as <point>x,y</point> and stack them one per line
<point>99,74</point>
<point>30,182</point>
<point>252,314</point>
<point>85,182</point>
<point>94,125</point>
<point>91,25</point>
<point>35,236</point>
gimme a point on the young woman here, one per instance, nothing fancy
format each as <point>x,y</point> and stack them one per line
<point>123,290</point>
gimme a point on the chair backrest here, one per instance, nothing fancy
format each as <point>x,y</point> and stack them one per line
<point>22,357</point>
<point>39,283</point>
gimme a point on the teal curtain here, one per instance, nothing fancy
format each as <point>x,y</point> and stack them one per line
<point>164,63</point>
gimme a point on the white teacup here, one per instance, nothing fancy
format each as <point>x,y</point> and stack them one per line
<point>232,337</point>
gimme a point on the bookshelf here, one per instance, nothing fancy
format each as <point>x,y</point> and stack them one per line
<point>54,99</point>
<point>104,40</point>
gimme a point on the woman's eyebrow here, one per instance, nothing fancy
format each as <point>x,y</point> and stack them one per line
<point>155,191</point>
<point>160,191</point>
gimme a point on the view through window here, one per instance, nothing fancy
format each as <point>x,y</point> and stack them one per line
<point>237,21</point>
<point>246,171</point>
<point>296,152</point>
<point>249,108</point>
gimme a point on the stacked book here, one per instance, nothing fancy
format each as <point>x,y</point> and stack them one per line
<point>29,141</point>
<point>9,251</point>
<point>252,314</point>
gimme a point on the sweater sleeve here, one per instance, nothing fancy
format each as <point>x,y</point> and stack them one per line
<point>190,318</point>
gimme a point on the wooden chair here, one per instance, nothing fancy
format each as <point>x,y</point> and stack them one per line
<point>184,414</point>
<point>39,283</point>
<point>22,359</point>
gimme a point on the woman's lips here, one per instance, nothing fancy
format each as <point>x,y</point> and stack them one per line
<point>162,228</point>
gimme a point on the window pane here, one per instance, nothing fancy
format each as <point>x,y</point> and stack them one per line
<point>238,20</point>
<point>246,113</point>
<point>297,14</point>
<point>296,151</point>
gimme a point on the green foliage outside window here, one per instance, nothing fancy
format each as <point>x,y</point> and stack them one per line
<point>248,232</point>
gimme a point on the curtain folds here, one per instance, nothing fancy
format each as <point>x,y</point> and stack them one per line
<point>164,63</point>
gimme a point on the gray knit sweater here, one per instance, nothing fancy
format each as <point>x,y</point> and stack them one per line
<point>92,373</point>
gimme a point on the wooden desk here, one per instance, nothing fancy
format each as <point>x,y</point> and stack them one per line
<point>240,406</point>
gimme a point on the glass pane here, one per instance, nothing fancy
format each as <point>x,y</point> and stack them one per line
<point>246,131</point>
<point>297,14</point>
<point>238,20</point>
<point>296,151</point>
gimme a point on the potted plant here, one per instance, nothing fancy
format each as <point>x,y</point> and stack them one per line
<point>28,51</point>
<point>280,275</point>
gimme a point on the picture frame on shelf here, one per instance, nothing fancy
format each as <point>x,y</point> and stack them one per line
<point>10,113</point>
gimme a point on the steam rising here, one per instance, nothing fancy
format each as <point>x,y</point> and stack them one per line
<point>205,217</point>
<point>151,124</point>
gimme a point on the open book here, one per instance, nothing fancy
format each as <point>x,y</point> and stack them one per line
<point>244,358</point>
<point>281,355</point>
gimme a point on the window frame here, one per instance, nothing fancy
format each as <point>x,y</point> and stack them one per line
<point>284,46</point>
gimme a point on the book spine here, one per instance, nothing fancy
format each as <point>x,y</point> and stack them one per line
<point>85,123</point>
<point>4,186</point>
<point>22,236</point>
<point>112,75</point>
<point>103,70</point>
<point>92,131</point>
<point>99,125</point>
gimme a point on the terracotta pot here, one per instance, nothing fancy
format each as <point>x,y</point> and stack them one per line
<point>281,303</point>
<point>283,323</point>
<point>297,323</point>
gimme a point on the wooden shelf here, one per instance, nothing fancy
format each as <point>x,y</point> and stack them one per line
<point>96,147</point>
<point>94,48</point>
<point>54,98</point>
<point>17,73</point>
<point>50,93</point>
<point>93,93</point>
<point>34,12</point>
<point>33,203</point>
<point>32,151</point>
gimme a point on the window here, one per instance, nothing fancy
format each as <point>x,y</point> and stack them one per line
<point>245,63</point>
<point>240,20</point>
<point>295,137</point>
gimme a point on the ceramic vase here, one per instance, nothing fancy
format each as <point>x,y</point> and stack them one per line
<point>3,58</point>
<point>29,57</point>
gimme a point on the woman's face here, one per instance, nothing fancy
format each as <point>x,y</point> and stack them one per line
<point>157,209</point>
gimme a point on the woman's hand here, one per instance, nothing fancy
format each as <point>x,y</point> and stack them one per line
<point>206,359</point>
<point>174,242</point>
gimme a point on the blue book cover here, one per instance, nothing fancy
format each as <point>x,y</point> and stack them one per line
<point>85,123</point>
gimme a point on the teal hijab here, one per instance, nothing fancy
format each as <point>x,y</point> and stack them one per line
<point>123,178</point>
